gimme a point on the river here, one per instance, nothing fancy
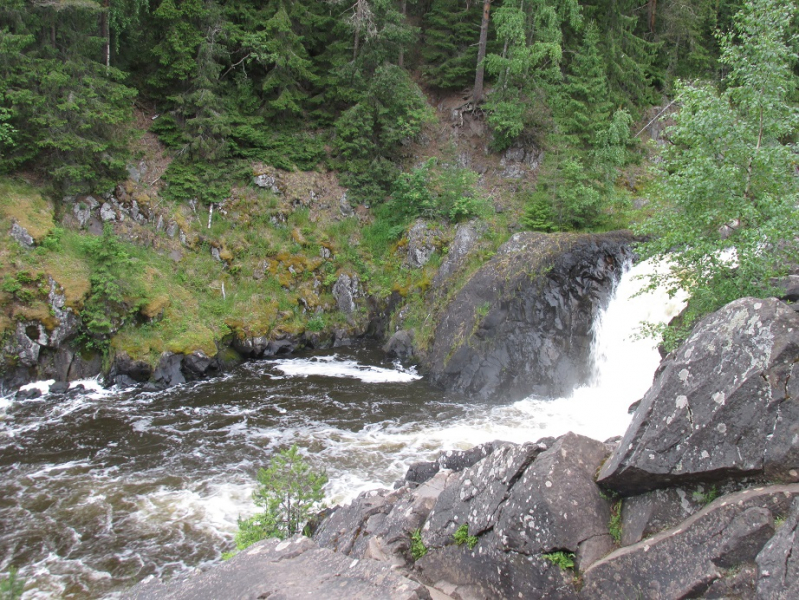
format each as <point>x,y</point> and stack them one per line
<point>101,490</point>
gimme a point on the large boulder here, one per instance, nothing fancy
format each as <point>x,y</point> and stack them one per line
<point>378,524</point>
<point>536,499</point>
<point>725,404</point>
<point>704,550</point>
<point>523,323</point>
<point>293,569</point>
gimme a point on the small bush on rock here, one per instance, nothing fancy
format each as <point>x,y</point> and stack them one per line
<point>288,490</point>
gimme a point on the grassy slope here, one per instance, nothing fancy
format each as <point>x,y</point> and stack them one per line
<point>280,255</point>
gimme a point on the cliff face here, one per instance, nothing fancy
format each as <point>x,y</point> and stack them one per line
<point>522,324</point>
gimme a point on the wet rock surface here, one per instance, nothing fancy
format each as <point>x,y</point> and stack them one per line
<point>522,323</point>
<point>725,404</point>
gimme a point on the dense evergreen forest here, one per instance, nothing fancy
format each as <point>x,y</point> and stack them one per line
<point>347,86</point>
<point>278,81</point>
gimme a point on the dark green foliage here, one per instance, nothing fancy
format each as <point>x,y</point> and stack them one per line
<point>112,299</point>
<point>583,105</point>
<point>449,52</point>
<point>436,191</point>
<point>288,490</point>
<point>627,56</point>
<point>67,110</point>
<point>370,135</point>
<point>705,497</point>
<point>198,180</point>
<point>538,214</point>
<point>614,526</point>
<point>580,184</point>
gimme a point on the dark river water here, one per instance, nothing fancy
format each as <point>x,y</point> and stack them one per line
<point>100,490</point>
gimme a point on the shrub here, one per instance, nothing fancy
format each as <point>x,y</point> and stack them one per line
<point>288,490</point>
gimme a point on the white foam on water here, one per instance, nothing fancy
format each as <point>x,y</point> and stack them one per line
<point>42,386</point>
<point>332,366</point>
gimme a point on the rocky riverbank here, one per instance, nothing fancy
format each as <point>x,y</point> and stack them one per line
<point>699,499</point>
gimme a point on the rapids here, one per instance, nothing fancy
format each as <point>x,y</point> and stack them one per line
<point>100,490</point>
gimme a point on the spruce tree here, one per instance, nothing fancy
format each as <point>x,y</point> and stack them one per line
<point>448,51</point>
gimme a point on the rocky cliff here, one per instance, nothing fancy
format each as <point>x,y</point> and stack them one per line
<point>522,324</point>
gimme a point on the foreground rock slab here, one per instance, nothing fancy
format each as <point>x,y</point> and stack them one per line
<point>296,568</point>
<point>716,543</point>
<point>725,404</point>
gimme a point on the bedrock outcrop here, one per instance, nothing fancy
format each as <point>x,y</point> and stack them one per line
<point>523,323</point>
<point>723,405</point>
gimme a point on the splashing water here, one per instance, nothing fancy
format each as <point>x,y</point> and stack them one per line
<point>98,491</point>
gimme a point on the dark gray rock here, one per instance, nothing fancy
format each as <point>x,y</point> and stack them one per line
<point>138,371</point>
<point>378,524</point>
<point>682,562</point>
<point>400,345</point>
<point>82,213</point>
<point>198,365</point>
<point>788,287</point>
<point>645,515</point>
<point>744,537</point>
<point>486,573</point>
<point>251,347</point>
<point>523,323</point>
<point>59,387</point>
<point>107,213</point>
<point>288,570</point>
<point>476,496</point>
<point>725,404</point>
<point>422,471</point>
<point>168,372</point>
<point>778,561</point>
<point>348,524</point>
<point>345,291</point>
<point>29,394</point>
<point>123,381</point>
<point>458,460</point>
<point>737,583</point>
<point>422,242</point>
<point>556,505</point>
<point>21,235</point>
